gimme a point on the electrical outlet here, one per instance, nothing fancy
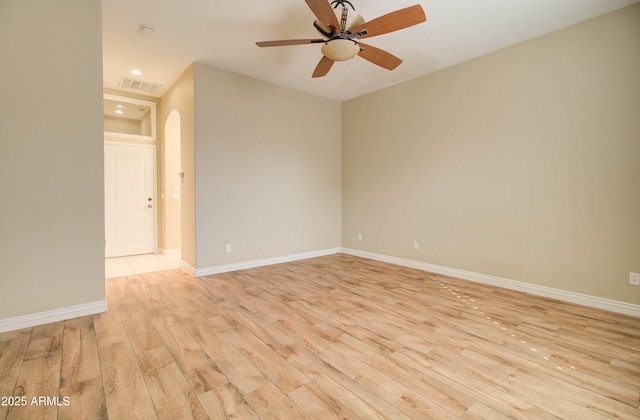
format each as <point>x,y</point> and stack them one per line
<point>416,245</point>
<point>228,247</point>
<point>634,278</point>
<point>359,236</point>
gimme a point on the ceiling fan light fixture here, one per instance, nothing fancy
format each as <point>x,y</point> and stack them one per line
<point>342,31</point>
<point>340,49</point>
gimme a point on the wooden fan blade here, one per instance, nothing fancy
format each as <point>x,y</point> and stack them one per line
<point>379,57</point>
<point>324,12</point>
<point>393,21</point>
<point>284,42</point>
<point>323,67</point>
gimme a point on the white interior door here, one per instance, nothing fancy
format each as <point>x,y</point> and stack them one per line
<point>129,180</point>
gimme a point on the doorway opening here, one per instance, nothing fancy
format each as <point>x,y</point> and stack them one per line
<point>167,245</point>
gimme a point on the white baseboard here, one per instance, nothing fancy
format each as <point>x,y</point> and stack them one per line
<point>175,251</point>
<point>55,315</point>
<point>188,268</point>
<point>563,295</point>
<point>266,261</point>
<point>27,321</point>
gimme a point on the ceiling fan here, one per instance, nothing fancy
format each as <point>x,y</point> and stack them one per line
<point>342,30</point>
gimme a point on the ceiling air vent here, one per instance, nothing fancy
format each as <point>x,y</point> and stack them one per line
<point>139,85</point>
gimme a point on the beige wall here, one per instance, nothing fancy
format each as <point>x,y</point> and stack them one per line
<point>51,165</point>
<point>181,98</point>
<point>522,164</point>
<point>267,169</point>
<point>172,182</point>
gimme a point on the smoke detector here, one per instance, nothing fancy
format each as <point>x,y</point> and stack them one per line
<point>146,29</point>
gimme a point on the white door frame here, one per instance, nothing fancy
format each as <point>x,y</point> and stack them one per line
<point>155,185</point>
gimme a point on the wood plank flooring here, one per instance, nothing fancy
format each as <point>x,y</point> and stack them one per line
<point>330,337</point>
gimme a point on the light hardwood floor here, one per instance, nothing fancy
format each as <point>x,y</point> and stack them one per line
<point>330,337</point>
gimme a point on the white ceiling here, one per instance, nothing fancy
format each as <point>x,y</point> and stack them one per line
<point>223,34</point>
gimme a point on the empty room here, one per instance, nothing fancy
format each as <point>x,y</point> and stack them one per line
<point>320,209</point>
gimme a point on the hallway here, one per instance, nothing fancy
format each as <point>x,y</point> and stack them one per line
<point>138,264</point>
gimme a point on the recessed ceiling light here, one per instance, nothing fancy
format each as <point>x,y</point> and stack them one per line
<point>119,111</point>
<point>135,72</point>
<point>146,29</point>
